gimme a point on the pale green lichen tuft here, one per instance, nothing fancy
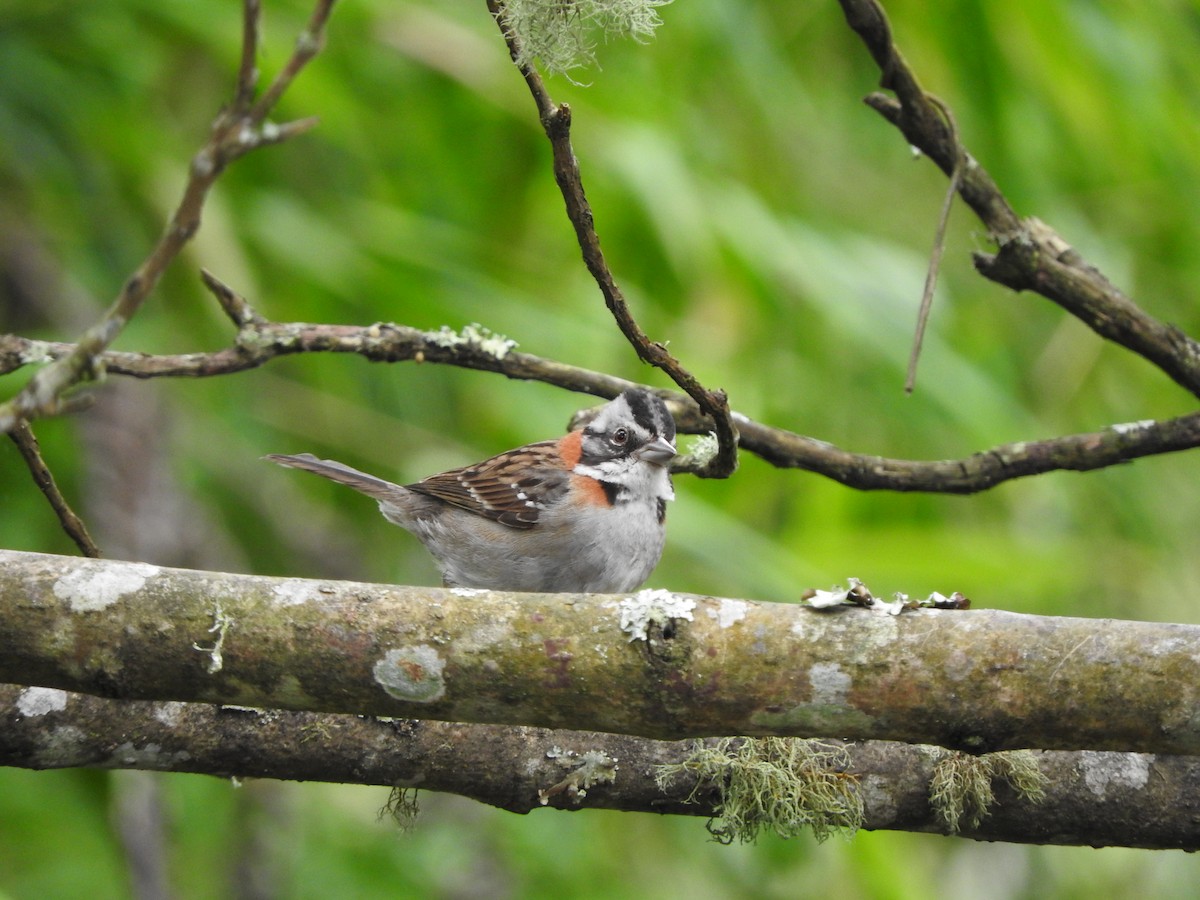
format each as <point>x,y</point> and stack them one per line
<point>704,450</point>
<point>780,785</point>
<point>562,34</point>
<point>961,789</point>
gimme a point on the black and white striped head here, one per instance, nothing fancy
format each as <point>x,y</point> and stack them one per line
<point>635,427</point>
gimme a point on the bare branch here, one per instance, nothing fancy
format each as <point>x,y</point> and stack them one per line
<point>1031,255</point>
<point>236,306</point>
<point>935,255</point>
<point>22,435</point>
<point>556,122</point>
<point>248,70</point>
<point>259,343</point>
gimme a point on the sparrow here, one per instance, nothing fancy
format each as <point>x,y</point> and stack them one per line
<point>584,513</point>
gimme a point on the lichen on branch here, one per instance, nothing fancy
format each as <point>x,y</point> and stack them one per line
<point>562,34</point>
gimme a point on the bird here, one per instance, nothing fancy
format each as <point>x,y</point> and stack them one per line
<point>584,513</point>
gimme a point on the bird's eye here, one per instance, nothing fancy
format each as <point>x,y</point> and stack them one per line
<point>620,436</point>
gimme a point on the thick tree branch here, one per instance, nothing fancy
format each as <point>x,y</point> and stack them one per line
<point>1031,255</point>
<point>1097,799</point>
<point>260,342</point>
<point>657,664</point>
<point>556,122</point>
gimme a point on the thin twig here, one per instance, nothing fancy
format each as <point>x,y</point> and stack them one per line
<point>939,246</point>
<point>234,304</point>
<point>309,43</point>
<point>556,122</point>
<point>248,70</point>
<point>22,435</point>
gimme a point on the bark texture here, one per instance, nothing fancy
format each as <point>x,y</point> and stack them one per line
<point>655,664</point>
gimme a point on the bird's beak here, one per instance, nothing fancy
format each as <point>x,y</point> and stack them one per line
<point>658,451</point>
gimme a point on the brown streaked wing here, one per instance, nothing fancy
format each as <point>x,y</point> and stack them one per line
<point>510,488</point>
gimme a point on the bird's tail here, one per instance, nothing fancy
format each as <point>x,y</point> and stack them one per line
<point>342,474</point>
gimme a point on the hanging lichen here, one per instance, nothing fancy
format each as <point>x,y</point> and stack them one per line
<point>562,34</point>
<point>402,807</point>
<point>780,785</point>
<point>961,788</point>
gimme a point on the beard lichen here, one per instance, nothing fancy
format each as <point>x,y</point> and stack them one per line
<point>560,34</point>
<point>402,808</point>
<point>780,785</point>
<point>961,788</point>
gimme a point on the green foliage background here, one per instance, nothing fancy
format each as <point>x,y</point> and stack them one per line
<point>760,219</point>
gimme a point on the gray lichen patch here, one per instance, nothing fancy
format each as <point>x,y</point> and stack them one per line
<point>295,591</point>
<point>90,589</point>
<point>1102,771</point>
<point>728,612</point>
<point>830,684</point>
<point>412,674</point>
<point>38,701</point>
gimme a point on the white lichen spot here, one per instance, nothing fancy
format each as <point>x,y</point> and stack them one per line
<point>35,353</point>
<point>1118,770</point>
<point>220,627</point>
<point>467,592</point>
<point>830,684</point>
<point>892,609</point>
<point>93,587</point>
<point>169,713</point>
<point>729,611</point>
<point>474,337</point>
<point>592,767</point>
<point>412,674</point>
<point>650,606</point>
<point>37,701</point>
<point>294,592</point>
<point>827,599</point>
<point>1124,428</point>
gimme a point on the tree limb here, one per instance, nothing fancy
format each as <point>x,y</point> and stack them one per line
<point>1031,256</point>
<point>682,666</point>
<point>260,342</point>
<point>1091,798</point>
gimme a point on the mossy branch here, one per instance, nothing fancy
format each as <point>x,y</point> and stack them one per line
<point>1090,798</point>
<point>977,680</point>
